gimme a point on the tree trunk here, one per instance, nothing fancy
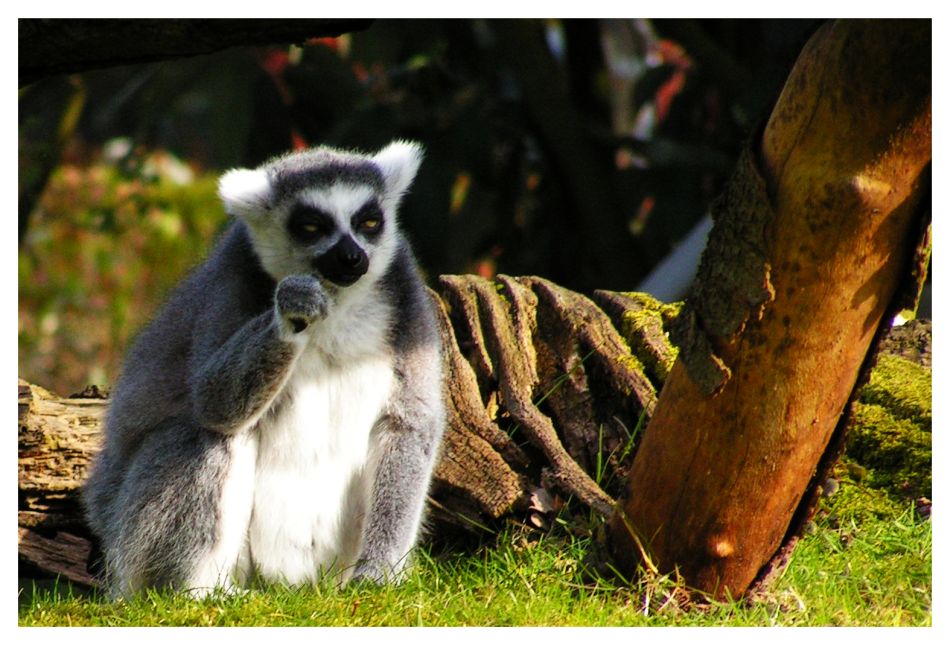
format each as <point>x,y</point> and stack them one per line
<point>812,240</point>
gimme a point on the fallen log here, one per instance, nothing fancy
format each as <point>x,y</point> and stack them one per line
<point>544,398</point>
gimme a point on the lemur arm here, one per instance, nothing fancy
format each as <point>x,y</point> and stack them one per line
<point>239,379</point>
<point>398,498</point>
<point>408,437</point>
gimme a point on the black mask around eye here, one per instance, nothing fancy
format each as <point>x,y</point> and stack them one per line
<point>307,224</point>
<point>344,263</point>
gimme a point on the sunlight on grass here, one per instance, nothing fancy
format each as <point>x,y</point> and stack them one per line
<point>844,573</point>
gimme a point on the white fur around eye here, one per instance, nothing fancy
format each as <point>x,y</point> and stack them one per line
<point>339,200</point>
<point>245,193</point>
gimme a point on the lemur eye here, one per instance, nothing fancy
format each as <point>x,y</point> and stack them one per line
<point>369,219</point>
<point>307,224</point>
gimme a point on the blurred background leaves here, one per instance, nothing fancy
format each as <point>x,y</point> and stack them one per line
<point>579,150</point>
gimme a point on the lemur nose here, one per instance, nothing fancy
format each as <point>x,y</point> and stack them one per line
<point>351,257</point>
<point>344,263</point>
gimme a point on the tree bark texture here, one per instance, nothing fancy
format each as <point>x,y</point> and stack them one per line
<point>544,398</point>
<point>57,438</point>
<point>804,267</point>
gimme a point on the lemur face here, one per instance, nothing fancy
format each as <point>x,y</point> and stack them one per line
<point>325,212</point>
<point>337,232</point>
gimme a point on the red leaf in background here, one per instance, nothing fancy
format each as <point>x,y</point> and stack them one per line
<point>330,42</point>
<point>486,268</point>
<point>639,221</point>
<point>671,54</point>
<point>667,92</point>
<point>360,71</point>
<point>297,140</point>
<point>274,61</point>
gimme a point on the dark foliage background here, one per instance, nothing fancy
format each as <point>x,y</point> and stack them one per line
<point>578,150</point>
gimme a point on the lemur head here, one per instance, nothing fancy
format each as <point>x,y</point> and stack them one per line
<point>324,211</point>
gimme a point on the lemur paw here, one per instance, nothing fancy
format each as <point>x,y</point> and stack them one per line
<point>367,573</point>
<point>299,301</point>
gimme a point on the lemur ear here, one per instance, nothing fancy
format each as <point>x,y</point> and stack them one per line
<point>245,193</point>
<point>399,162</point>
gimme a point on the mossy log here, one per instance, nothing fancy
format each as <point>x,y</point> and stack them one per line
<point>544,397</point>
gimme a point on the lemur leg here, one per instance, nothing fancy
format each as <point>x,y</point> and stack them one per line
<point>175,532</point>
<point>227,565</point>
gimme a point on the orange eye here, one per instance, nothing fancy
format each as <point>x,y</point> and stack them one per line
<point>370,224</point>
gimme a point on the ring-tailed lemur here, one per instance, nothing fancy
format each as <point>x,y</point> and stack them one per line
<point>280,417</point>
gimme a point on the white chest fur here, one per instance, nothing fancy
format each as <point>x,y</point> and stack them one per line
<point>314,471</point>
<point>315,456</point>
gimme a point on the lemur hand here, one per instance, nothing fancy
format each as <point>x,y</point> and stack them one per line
<point>299,301</point>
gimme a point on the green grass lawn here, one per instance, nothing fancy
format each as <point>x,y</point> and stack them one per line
<point>865,561</point>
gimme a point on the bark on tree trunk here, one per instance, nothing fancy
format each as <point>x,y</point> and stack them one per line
<point>812,240</point>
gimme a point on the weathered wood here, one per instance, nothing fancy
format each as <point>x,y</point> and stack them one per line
<point>474,451</point>
<point>513,361</point>
<point>542,395</point>
<point>812,240</point>
<point>57,438</point>
<point>601,362</point>
<point>63,555</point>
<point>642,321</point>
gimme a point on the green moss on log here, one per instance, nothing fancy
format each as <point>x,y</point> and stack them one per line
<point>890,439</point>
<point>643,326</point>
<point>903,387</point>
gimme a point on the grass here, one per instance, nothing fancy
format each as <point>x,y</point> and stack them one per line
<point>866,561</point>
